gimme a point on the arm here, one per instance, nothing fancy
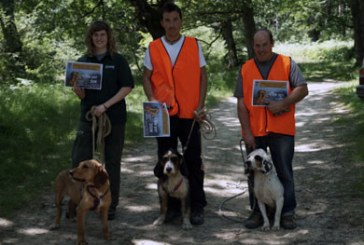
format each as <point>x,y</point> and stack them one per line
<point>120,95</point>
<point>297,94</point>
<point>243,116</point>
<point>199,111</point>
<point>147,85</point>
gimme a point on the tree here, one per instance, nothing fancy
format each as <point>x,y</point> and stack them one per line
<point>357,10</point>
<point>12,42</point>
<point>149,16</point>
<point>249,25</point>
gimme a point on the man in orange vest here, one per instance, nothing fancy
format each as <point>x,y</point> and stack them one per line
<point>271,125</point>
<point>175,74</point>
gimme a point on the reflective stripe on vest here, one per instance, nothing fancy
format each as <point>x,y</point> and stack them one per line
<point>262,121</point>
<point>177,86</point>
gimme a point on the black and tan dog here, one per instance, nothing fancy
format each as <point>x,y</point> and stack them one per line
<point>173,184</point>
<point>89,189</point>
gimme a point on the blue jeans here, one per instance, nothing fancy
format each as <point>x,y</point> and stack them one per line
<point>281,149</point>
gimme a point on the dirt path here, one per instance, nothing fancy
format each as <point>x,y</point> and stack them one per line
<point>325,214</point>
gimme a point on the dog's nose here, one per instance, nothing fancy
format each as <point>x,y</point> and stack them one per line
<point>169,169</point>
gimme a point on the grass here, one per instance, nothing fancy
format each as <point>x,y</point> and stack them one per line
<point>354,137</point>
<point>38,121</point>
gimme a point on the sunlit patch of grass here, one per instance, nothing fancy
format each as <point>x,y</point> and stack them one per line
<point>353,136</point>
<point>329,60</point>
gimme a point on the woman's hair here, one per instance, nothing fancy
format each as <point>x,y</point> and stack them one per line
<point>100,25</point>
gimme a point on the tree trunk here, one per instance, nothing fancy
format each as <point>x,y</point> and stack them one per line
<point>149,17</point>
<point>227,33</point>
<point>357,10</point>
<point>249,26</point>
<point>8,27</point>
<point>12,42</point>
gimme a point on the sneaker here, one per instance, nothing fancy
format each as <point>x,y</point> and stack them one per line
<point>288,222</point>
<point>254,221</point>
<point>112,213</point>
<point>197,218</point>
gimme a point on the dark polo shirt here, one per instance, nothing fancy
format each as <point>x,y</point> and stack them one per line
<point>116,74</point>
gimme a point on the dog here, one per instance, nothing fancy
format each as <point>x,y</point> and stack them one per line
<point>268,189</point>
<point>89,189</point>
<point>173,184</point>
<point>261,98</point>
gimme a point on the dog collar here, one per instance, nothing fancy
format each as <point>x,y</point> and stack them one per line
<point>96,198</point>
<point>176,187</point>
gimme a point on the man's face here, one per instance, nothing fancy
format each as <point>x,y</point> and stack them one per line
<point>263,47</point>
<point>171,23</point>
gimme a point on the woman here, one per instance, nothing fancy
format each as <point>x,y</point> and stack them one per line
<point>117,83</point>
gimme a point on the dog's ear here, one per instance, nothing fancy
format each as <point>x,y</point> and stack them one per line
<point>267,166</point>
<point>101,177</point>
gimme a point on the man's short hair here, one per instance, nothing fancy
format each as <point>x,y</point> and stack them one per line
<point>268,32</point>
<point>170,7</point>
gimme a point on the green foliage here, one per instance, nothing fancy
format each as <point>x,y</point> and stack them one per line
<point>322,60</point>
<point>36,123</point>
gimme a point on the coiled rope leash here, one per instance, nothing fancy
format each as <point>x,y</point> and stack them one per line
<point>207,127</point>
<point>102,126</point>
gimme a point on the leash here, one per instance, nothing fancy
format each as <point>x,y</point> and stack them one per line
<point>207,127</point>
<point>102,126</point>
<point>221,211</point>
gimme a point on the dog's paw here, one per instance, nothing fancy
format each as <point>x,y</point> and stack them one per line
<point>186,225</point>
<point>54,226</point>
<point>276,228</point>
<point>159,221</point>
<point>82,242</point>
<point>265,228</point>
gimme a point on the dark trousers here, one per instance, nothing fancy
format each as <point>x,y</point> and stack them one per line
<point>281,148</point>
<point>180,130</point>
<point>114,143</point>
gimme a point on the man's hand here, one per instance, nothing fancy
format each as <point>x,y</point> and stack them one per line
<point>277,107</point>
<point>199,114</point>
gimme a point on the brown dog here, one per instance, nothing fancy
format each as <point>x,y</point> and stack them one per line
<point>88,187</point>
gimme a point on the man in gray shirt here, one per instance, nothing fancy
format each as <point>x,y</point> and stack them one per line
<point>271,125</point>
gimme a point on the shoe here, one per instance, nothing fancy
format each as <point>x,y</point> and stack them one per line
<point>197,218</point>
<point>254,221</point>
<point>288,222</point>
<point>171,215</point>
<point>111,214</point>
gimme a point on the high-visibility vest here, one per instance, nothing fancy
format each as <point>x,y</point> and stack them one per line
<point>178,86</point>
<point>262,121</point>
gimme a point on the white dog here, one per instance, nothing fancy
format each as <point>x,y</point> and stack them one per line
<point>268,189</point>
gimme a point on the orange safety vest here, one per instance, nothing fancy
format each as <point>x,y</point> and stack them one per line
<point>262,121</point>
<point>177,86</point>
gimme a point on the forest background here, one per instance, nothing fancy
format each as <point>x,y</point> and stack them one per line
<point>38,115</point>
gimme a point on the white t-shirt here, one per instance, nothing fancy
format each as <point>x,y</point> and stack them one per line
<point>173,51</point>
